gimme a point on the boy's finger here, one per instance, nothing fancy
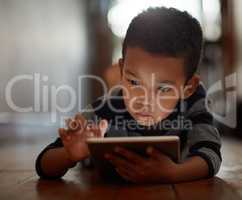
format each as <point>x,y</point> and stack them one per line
<point>74,125</point>
<point>153,153</point>
<point>63,134</point>
<point>126,174</point>
<point>100,129</point>
<point>90,134</point>
<point>79,117</point>
<point>120,162</point>
<point>103,126</point>
<point>67,122</point>
<point>77,124</point>
<point>129,155</point>
<point>95,129</point>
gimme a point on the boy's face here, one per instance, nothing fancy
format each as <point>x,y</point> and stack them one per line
<point>152,84</point>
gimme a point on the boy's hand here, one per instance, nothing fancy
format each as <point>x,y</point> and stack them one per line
<point>135,168</point>
<point>74,141</point>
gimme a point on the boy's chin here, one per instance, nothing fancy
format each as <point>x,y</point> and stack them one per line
<point>147,123</point>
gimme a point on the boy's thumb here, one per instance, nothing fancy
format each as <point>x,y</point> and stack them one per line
<point>103,126</point>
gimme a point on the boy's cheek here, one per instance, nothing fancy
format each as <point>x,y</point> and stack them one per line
<point>161,116</point>
<point>166,105</point>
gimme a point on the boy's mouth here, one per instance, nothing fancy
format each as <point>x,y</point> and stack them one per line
<point>143,114</point>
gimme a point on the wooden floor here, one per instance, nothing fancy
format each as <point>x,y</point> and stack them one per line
<point>21,144</point>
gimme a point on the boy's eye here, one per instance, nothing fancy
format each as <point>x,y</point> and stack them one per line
<point>133,82</point>
<point>164,89</point>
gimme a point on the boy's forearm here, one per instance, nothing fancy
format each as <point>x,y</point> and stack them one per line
<point>192,169</point>
<point>55,162</point>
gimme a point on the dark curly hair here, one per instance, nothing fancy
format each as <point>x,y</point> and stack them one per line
<point>169,32</point>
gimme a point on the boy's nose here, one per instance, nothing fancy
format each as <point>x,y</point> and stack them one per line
<point>147,101</point>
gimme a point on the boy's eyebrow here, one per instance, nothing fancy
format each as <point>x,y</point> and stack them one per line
<point>129,72</point>
<point>167,82</point>
<point>160,82</point>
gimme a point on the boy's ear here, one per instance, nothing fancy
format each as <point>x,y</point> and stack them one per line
<point>191,86</point>
<point>121,65</point>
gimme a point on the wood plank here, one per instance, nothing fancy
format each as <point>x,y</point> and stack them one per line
<point>85,184</point>
<point>18,179</point>
<point>209,189</point>
<point>75,185</point>
<point>12,179</point>
<point>149,192</point>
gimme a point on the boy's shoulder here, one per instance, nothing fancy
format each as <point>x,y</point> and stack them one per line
<point>196,106</point>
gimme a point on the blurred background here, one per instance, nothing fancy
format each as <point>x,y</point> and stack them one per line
<point>53,42</point>
<point>47,45</point>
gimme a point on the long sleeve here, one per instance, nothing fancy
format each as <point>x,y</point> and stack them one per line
<point>57,144</point>
<point>203,139</point>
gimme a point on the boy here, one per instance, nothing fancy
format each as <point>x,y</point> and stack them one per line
<point>160,55</point>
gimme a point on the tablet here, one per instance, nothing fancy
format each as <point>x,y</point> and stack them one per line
<point>169,145</point>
